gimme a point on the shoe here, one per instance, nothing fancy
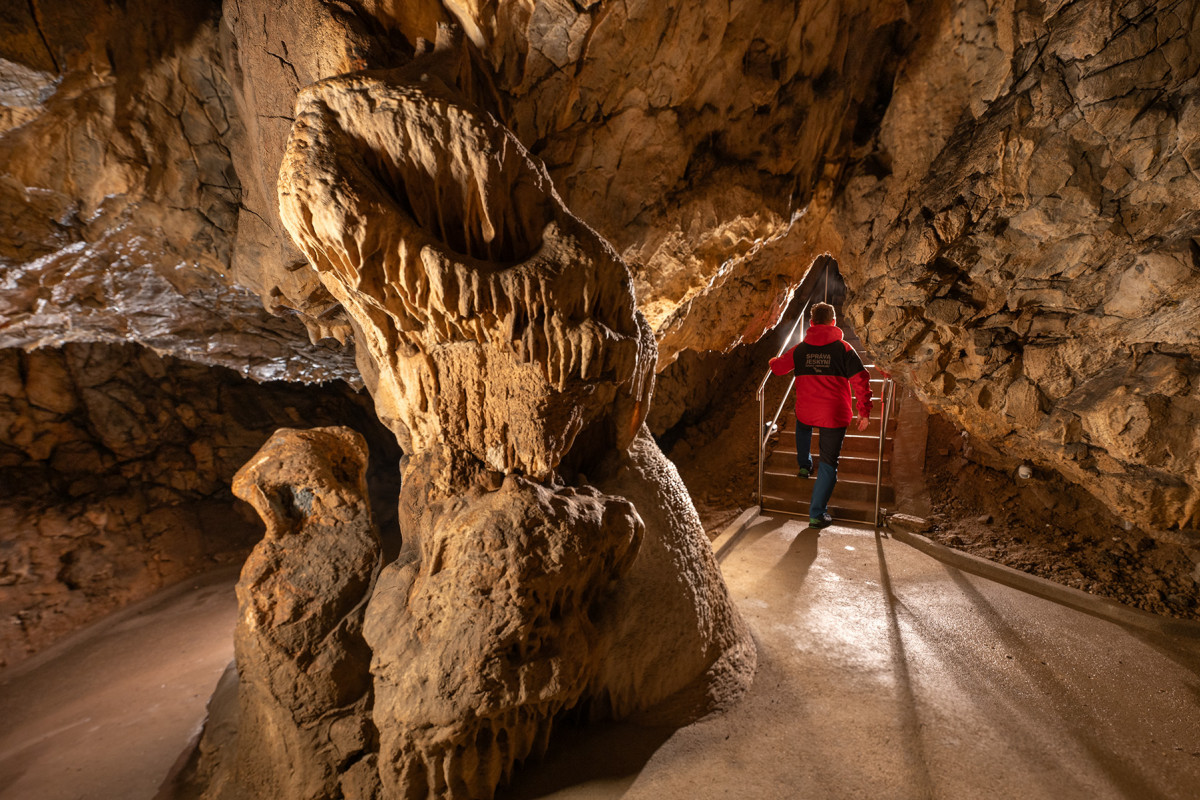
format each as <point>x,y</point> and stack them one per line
<point>823,521</point>
<point>803,472</point>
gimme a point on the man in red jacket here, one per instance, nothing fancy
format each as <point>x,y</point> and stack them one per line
<point>826,368</point>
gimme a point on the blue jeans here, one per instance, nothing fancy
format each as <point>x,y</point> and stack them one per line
<point>830,445</point>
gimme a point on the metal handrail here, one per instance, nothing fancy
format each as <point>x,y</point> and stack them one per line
<point>887,395</point>
<point>764,430</point>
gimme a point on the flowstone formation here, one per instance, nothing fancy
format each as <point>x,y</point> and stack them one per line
<point>473,292</point>
<point>540,571</point>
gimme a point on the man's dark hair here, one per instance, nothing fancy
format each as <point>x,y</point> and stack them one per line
<point>822,314</point>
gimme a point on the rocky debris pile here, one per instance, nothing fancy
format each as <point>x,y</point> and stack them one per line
<point>1050,528</point>
<point>117,463</point>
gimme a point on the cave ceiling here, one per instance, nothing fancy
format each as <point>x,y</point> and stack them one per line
<point>1009,187</point>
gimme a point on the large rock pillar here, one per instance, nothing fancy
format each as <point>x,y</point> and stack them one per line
<point>500,339</point>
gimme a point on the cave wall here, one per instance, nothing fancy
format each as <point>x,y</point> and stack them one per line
<point>117,464</point>
<point>1007,185</point>
<point>119,200</point>
<point>1023,241</point>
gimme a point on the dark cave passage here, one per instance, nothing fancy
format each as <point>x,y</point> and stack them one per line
<point>117,463</point>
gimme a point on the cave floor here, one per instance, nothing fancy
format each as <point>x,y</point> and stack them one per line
<point>106,713</point>
<point>882,673</point>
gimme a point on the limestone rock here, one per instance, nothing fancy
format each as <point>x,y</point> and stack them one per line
<point>472,290</point>
<point>486,628</point>
<point>304,691</point>
<point>499,337</point>
<point>511,605</point>
<point>692,137</point>
<point>118,196</point>
<point>271,51</point>
<point>679,647</point>
<point>116,466</point>
<point>1029,264</point>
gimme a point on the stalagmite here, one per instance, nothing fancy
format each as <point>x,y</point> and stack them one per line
<point>522,590</point>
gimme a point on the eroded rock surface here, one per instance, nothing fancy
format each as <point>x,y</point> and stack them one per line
<point>116,465</point>
<point>486,628</point>
<point>499,337</point>
<point>487,317</point>
<point>1008,185</point>
<point>1030,262</point>
<point>304,691</point>
<point>118,197</point>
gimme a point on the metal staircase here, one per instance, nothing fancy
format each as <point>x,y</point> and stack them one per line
<point>864,483</point>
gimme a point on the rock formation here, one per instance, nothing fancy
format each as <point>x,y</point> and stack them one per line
<point>500,340</point>
<point>304,691</point>
<point>719,148</point>
<point>1029,262</point>
<point>517,228</point>
<point>473,292</point>
<point>116,465</point>
<point>118,197</point>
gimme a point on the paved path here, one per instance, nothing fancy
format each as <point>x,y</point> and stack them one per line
<point>105,714</point>
<point>883,674</point>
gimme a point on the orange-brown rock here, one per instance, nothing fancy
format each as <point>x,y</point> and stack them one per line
<point>1009,188</point>
<point>304,691</point>
<point>487,627</point>
<point>499,337</point>
<point>1025,249</point>
<point>526,601</point>
<point>116,465</point>
<point>487,317</point>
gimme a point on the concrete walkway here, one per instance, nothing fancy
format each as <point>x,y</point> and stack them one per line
<point>105,714</point>
<point>883,674</point>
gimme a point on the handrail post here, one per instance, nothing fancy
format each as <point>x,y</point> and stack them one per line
<point>764,434</point>
<point>762,440</point>
<point>887,393</point>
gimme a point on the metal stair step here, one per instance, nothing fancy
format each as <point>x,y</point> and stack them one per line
<point>851,445</point>
<point>847,488</point>
<point>839,508</point>
<point>785,464</point>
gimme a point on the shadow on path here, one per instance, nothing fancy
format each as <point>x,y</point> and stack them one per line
<point>910,722</point>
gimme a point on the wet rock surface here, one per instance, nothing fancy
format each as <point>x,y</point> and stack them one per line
<point>117,463</point>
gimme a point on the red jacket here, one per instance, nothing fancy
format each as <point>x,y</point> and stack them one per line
<point>826,367</point>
